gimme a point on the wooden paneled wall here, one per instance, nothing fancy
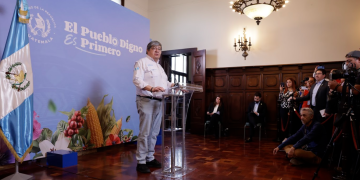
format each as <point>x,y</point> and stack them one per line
<point>237,87</point>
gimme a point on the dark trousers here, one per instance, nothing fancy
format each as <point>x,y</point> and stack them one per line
<point>253,121</point>
<point>214,124</point>
<point>285,121</point>
<point>328,126</point>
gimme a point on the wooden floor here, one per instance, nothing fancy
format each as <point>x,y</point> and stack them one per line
<point>227,158</point>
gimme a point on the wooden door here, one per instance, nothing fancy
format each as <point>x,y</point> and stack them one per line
<point>198,106</point>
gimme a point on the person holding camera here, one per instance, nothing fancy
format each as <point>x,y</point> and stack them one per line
<point>349,100</point>
<point>286,92</point>
<point>310,81</point>
<point>352,61</point>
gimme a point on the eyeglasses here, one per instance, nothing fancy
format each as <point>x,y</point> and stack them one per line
<point>156,48</point>
<point>318,73</point>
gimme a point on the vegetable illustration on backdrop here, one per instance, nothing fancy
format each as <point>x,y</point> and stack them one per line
<point>83,129</point>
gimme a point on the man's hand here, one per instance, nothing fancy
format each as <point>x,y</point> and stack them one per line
<point>326,114</point>
<point>291,152</point>
<point>275,150</point>
<point>158,89</point>
<point>284,140</point>
<point>332,84</point>
<point>256,113</point>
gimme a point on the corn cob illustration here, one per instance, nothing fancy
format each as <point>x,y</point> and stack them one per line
<point>93,124</point>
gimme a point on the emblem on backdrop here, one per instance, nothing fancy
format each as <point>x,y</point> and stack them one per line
<point>41,25</point>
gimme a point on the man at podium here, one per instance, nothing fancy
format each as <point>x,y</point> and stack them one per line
<point>151,82</point>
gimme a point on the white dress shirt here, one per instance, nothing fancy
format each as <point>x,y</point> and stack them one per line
<point>149,72</point>
<point>256,106</point>
<point>315,90</point>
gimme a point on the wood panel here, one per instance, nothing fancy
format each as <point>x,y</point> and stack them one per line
<point>238,85</point>
<point>271,81</point>
<point>220,83</point>
<point>253,81</point>
<point>270,98</point>
<point>235,82</point>
<point>235,112</point>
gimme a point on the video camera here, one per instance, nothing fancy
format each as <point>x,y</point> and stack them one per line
<point>349,73</point>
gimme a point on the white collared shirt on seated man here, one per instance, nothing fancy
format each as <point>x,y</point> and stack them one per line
<point>149,72</point>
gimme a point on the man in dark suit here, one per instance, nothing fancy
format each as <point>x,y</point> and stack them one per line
<point>256,114</point>
<point>318,95</point>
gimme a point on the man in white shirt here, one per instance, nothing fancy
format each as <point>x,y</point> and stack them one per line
<point>151,82</point>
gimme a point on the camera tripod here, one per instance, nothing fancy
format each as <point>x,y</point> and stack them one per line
<point>347,119</point>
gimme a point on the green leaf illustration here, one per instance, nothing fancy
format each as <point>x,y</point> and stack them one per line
<point>128,119</point>
<point>35,148</point>
<point>62,125</point>
<point>52,106</point>
<point>46,134</point>
<point>84,111</point>
<point>37,155</point>
<point>69,114</point>
<point>55,137</point>
<point>134,138</point>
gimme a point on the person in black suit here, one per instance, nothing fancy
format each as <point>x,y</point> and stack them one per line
<point>318,95</point>
<point>256,113</point>
<point>215,112</point>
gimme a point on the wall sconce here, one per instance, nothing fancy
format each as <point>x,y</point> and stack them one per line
<point>243,45</point>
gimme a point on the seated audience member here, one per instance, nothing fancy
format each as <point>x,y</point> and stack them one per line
<point>215,112</point>
<point>307,145</point>
<point>256,113</point>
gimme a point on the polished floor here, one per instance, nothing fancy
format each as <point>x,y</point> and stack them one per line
<point>226,158</point>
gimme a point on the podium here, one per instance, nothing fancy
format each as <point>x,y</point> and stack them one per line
<point>175,105</point>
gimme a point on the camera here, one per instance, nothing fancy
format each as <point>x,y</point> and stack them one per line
<point>282,84</point>
<point>349,75</point>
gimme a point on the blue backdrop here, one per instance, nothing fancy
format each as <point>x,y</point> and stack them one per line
<point>81,49</point>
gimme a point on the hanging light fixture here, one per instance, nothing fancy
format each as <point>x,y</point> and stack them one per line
<point>257,11</point>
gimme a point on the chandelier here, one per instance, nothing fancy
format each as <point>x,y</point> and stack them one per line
<point>257,11</point>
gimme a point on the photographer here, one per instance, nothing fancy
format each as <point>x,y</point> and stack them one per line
<point>348,111</point>
<point>352,61</point>
<point>310,81</point>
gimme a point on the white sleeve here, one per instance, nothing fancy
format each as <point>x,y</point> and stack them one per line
<point>138,78</point>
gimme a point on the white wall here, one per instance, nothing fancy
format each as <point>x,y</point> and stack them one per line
<point>304,31</point>
<point>138,6</point>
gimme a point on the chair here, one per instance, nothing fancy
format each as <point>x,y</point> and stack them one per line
<point>208,123</point>
<point>258,125</point>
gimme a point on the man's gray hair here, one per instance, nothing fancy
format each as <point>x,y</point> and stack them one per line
<point>309,110</point>
<point>153,43</point>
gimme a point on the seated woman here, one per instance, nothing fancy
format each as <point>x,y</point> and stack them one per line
<point>215,112</point>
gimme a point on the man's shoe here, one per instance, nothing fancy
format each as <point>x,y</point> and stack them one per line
<point>248,140</point>
<point>142,168</point>
<point>154,163</point>
<point>296,162</point>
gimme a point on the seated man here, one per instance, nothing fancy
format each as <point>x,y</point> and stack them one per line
<point>256,113</point>
<point>307,145</point>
